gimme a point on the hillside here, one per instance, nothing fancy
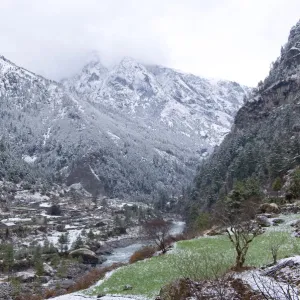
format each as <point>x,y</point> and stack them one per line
<point>131,131</point>
<point>264,141</point>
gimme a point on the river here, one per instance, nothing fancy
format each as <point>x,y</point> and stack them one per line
<point>123,254</point>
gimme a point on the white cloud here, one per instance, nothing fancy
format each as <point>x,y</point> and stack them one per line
<point>232,39</point>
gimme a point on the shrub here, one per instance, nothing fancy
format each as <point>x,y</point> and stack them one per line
<point>49,294</point>
<point>277,184</point>
<point>295,184</point>
<point>203,221</point>
<point>145,252</point>
<point>28,297</point>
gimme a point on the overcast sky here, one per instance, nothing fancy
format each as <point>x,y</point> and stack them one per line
<point>230,39</point>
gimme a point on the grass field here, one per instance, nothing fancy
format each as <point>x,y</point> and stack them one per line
<point>196,258</point>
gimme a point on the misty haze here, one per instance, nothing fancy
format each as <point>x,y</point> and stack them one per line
<point>149,150</point>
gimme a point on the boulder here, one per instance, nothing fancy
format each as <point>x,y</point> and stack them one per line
<point>44,279</point>
<point>26,276</point>
<point>119,230</point>
<point>66,283</point>
<point>6,290</point>
<point>263,221</point>
<point>40,220</point>
<point>92,245</point>
<point>48,270</point>
<point>87,255</point>
<point>127,287</point>
<point>100,224</point>
<point>60,228</point>
<point>278,221</point>
<point>295,223</point>
<point>269,208</point>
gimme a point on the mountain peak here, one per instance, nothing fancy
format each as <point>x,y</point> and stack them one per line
<point>295,30</point>
<point>287,65</point>
<point>129,64</point>
<point>127,60</point>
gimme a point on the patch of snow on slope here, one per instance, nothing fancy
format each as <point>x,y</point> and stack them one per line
<point>269,286</point>
<point>93,172</point>
<point>29,159</point>
<point>46,136</point>
<point>114,137</point>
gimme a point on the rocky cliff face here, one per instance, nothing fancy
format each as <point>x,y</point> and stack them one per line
<point>133,130</point>
<point>265,139</point>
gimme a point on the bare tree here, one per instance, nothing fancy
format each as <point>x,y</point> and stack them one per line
<point>275,243</point>
<point>241,229</point>
<point>158,231</point>
<point>241,235</point>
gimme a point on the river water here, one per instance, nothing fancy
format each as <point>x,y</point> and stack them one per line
<point>123,254</point>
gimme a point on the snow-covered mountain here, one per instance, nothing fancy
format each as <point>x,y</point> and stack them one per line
<point>131,130</point>
<point>184,103</point>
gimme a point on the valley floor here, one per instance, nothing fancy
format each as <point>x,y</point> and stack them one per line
<point>199,259</point>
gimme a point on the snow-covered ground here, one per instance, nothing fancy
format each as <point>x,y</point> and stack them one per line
<point>268,285</point>
<point>84,295</point>
<point>74,297</point>
<point>77,296</point>
<point>72,236</point>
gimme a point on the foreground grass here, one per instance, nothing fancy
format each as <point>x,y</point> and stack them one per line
<point>198,258</point>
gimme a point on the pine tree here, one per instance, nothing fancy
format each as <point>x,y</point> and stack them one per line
<point>277,184</point>
<point>78,243</point>
<point>8,257</point>
<point>91,235</point>
<point>38,261</point>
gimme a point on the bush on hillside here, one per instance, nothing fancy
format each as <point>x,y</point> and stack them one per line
<point>145,252</point>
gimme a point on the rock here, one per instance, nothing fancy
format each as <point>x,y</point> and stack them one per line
<point>100,224</point>
<point>119,230</point>
<point>278,221</point>
<point>40,220</point>
<point>213,232</point>
<point>87,255</point>
<point>263,221</point>
<point>65,284</point>
<point>27,276</point>
<point>100,296</point>
<point>295,223</point>
<point>48,270</point>
<point>60,228</point>
<point>269,216</point>
<point>6,290</point>
<point>102,260</point>
<point>21,265</point>
<point>127,287</point>
<point>92,245</point>
<point>269,208</point>
<point>44,279</point>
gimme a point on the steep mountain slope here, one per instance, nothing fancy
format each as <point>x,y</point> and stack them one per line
<point>181,102</point>
<point>120,132</point>
<point>265,139</point>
